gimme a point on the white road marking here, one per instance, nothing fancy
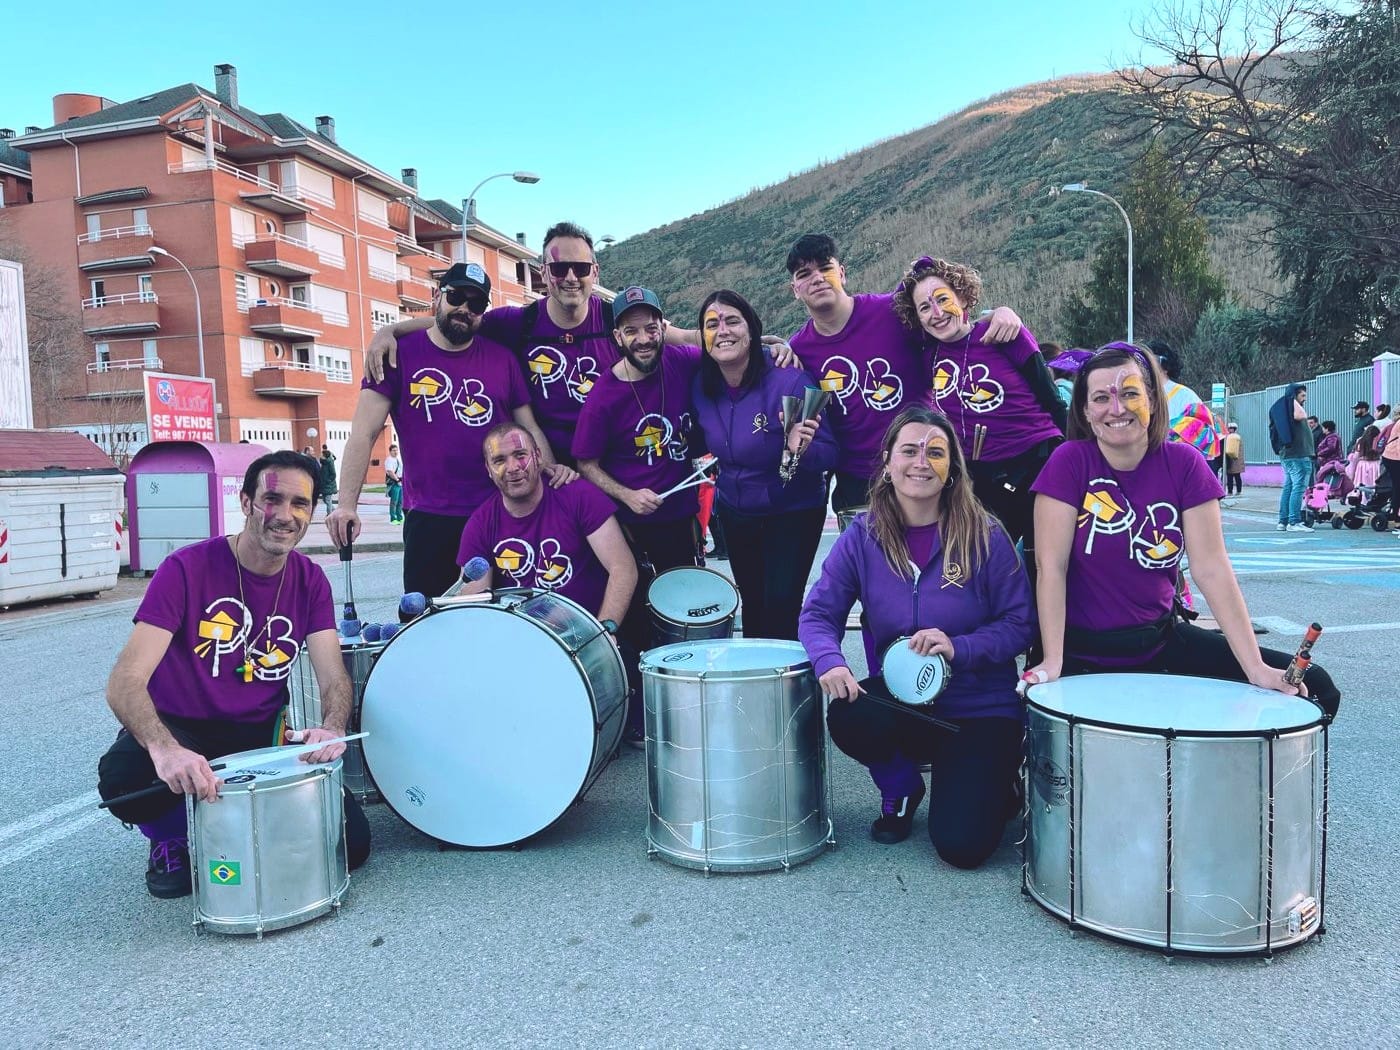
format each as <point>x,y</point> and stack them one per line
<point>1281,625</point>
<point>33,843</point>
<point>48,816</point>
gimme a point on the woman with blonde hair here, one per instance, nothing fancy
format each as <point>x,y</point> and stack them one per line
<point>937,574</point>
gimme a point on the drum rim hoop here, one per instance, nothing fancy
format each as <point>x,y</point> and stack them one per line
<point>675,670</point>
<point>1169,733</point>
<point>720,618</point>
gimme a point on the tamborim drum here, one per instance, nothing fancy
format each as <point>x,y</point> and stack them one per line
<point>913,679</point>
<point>736,755</point>
<point>304,707</point>
<point>270,853</point>
<point>1186,814</point>
<point>690,603</point>
<point>488,719</point>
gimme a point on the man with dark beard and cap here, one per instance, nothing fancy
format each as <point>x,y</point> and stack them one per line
<point>635,429</point>
<point>450,386</point>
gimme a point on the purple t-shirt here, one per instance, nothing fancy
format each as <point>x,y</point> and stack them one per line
<point>1128,541</point>
<point>976,382</point>
<point>548,547</point>
<point>194,595</point>
<point>563,364</point>
<point>444,402</point>
<point>641,432</point>
<point>873,368</point>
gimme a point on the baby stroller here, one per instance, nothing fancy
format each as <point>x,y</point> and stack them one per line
<point>1367,501</point>
<point>1332,483</point>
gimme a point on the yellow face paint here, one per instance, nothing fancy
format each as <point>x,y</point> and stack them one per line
<point>1132,394</point>
<point>708,332</point>
<point>832,277</point>
<point>938,453</point>
<point>946,301</point>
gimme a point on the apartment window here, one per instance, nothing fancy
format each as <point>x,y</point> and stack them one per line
<point>327,244</point>
<point>372,206</point>
<point>505,269</point>
<point>250,352</point>
<point>334,362</point>
<point>301,353</point>
<point>146,288</point>
<point>332,304</point>
<point>243,226</point>
<point>104,355</point>
<point>300,293</point>
<point>149,357</point>
<point>99,290</point>
<point>138,219</point>
<point>245,290</point>
<point>304,180</point>
<point>94,227</point>
<point>382,313</point>
<point>383,264</point>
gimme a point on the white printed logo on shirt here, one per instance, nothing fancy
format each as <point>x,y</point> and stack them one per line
<point>1157,540</point>
<point>975,388</point>
<point>548,366</point>
<point>548,567</point>
<point>224,628</point>
<point>655,437</point>
<point>1105,510</point>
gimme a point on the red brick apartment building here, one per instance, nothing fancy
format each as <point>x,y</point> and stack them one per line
<point>299,250</point>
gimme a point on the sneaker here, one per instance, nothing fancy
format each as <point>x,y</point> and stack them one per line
<point>168,872</point>
<point>897,817</point>
<point>1281,527</point>
<point>1298,526</point>
<point>635,738</point>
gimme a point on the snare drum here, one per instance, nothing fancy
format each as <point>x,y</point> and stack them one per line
<point>913,679</point>
<point>488,719</point>
<point>736,755</point>
<point>1185,814</point>
<point>691,603</point>
<point>270,853</point>
<point>304,707</point>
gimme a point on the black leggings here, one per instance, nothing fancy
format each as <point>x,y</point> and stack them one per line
<point>973,784</point>
<point>1190,650</point>
<point>430,545</point>
<point>127,767</point>
<point>1013,505</point>
<point>1392,467</point>
<point>771,557</point>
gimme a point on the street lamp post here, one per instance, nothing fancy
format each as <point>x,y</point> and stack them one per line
<point>529,178</point>
<point>198,313</point>
<point>1079,187</point>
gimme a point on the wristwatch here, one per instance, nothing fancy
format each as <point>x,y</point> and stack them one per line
<point>610,626</point>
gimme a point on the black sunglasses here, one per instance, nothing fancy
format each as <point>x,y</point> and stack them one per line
<point>560,270</point>
<point>476,302</point>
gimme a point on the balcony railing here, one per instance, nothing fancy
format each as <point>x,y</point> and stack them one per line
<point>242,240</point>
<point>125,365</point>
<point>227,169</point>
<point>118,231</point>
<point>99,301</point>
<point>411,247</point>
<point>382,275</point>
<point>335,373</point>
<point>305,193</point>
<point>276,300</point>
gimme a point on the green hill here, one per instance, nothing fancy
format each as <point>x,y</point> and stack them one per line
<point>972,187</point>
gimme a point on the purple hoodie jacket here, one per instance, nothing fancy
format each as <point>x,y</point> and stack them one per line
<point>989,618</point>
<point>746,435</point>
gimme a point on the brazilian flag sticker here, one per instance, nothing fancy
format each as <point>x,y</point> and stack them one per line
<point>224,872</point>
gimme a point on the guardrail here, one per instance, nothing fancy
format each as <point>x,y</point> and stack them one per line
<point>227,169</point>
<point>414,246</point>
<point>142,230</point>
<point>242,240</point>
<point>98,301</point>
<point>125,365</point>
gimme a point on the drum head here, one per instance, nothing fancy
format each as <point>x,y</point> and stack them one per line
<point>265,766</point>
<point>693,596</point>
<point>724,657</point>
<point>912,678</point>
<point>1177,702</point>
<point>480,726</point>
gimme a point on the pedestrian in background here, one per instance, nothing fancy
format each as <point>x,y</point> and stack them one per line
<point>393,484</point>
<point>1234,461</point>
<point>328,482</point>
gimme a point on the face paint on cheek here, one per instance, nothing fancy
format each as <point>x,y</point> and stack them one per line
<point>708,333</point>
<point>947,304</point>
<point>939,464</point>
<point>1137,405</point>
<point>833,278</point>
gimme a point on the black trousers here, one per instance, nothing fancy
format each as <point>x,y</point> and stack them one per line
<point>430,544</point>
<point>1190,650</point>
<point>1234,484</point>
<point>127,767</point>
<point>1004,487</point>
<point>1392,467</point>
<point>850,490</point>
<point>973,788</point>
<point>771,556</point>
<point>658,546</point>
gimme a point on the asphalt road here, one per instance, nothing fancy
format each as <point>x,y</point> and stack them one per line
<point>580,939</point>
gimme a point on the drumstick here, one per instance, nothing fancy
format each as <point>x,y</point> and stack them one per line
<point>285,753</point>
<point>697,477</point>
<point>918,710</point>
<point>1298,666</point>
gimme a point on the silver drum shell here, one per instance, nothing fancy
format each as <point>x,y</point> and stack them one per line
<point>304,709</point>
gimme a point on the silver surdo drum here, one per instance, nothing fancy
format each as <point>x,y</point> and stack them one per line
<point>270,853</point>
<point>847,516</point>
<point>1185,814</point>
<point>489,716</point>
<point>304,707</point>
<point>736,755</point>
<point>690,603</point>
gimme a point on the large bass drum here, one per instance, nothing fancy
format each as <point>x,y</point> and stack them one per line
<point>488,718</point>
<point>1186,814</point>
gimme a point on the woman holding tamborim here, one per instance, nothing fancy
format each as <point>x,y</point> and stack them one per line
<point>937,574</point>
<point>1117,507</point>
<point>772,526</point>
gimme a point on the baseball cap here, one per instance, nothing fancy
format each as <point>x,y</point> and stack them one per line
<point>635,296</point>
<point>1234,426</point>
<point>1361,404</point>
<point>1070,360</point>
<point>466,275</point>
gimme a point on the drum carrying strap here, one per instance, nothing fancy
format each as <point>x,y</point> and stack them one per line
<point>1125,641</point>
